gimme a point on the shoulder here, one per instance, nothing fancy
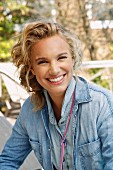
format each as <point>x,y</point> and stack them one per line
<point>93,88</point>
<point>101,95</point>
<point>94,92</point>
<point>28,116</point>
<point>97,89</point>
<point>27,109</point>
<point>27,104</point>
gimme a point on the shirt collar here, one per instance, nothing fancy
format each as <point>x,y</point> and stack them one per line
<point>68,95</point>
<point>82,93</point>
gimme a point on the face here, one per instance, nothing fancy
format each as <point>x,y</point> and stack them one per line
<point>52,64</point>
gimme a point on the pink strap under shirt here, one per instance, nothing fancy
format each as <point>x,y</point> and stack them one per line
<point>63,139</point>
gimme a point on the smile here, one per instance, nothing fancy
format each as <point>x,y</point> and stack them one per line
<point>55,80</point>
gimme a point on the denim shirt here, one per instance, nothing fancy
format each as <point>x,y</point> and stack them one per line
<point>93,132</point>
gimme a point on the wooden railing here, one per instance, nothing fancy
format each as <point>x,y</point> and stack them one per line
<point>105,70</point>
<point>98,64</point>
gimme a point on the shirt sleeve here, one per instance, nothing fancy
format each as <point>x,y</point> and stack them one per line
<point>105,132</point>
<point>16,148</point>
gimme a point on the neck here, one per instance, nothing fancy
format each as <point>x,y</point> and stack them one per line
<point>57,107</point>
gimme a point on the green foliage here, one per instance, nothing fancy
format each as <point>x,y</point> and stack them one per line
<point>18,12</point>
<point>12,13</point>
<point>104,83</point>
<point>98,80</point>
<point>5,49</point>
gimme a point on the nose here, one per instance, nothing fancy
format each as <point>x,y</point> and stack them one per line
<point>54,68</point>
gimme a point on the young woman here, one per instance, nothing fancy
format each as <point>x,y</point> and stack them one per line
<point>67,121</point>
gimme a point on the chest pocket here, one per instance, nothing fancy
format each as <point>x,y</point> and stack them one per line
<point>37,148</point>
<point>90,156</point>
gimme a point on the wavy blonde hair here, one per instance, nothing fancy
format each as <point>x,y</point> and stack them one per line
<point>32,33</point>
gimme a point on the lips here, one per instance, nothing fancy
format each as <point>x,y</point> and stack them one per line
<point>57,79</point>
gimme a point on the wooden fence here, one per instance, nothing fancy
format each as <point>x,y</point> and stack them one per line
<point>105,70</point>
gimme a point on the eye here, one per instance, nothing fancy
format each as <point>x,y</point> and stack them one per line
<point>41,62</point>
<point>62,57</point>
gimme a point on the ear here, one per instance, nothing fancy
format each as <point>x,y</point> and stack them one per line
<point>32,70</point>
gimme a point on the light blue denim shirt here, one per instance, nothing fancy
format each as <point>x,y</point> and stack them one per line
<point>58,129</point>
<point>92,132</point>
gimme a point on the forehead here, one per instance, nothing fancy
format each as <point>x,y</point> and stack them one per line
<point>53,42</point>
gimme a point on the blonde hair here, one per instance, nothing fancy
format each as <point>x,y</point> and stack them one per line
<point>32,33</point>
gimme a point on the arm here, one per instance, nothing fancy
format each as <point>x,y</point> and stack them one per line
<point>105,131</point>
<point>17,147</point>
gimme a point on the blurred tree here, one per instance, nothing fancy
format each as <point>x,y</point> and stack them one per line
<point>11,13</point>
<point>14,14</point>
<point>84,17</point>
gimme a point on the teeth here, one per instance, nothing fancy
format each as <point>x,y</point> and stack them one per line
<point>56,79</point>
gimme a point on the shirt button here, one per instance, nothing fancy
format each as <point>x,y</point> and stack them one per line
<point>64,160</point>
<point>49,149</point>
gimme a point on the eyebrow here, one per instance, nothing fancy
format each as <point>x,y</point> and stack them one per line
<point>62,54</point>
<point>41,58</point>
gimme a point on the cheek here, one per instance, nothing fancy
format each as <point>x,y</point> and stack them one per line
<point>39,78</point>
<point>69,66</point>
<point>40,73</point>
<point>35,71</point>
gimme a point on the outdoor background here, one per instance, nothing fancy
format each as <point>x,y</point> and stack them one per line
<point>91,20</point>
